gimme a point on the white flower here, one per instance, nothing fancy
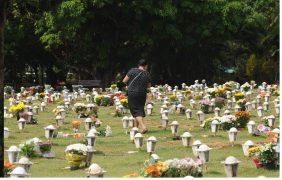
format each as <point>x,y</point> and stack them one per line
<point>79,105</point>
<point>77,147</point>
<point>246,85</point>
<point>227,118</point>
<point>210,90</point>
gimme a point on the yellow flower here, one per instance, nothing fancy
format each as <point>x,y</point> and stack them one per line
<point>14,108</point>
<point>239,94</point>
<point>172,97</point>
<point>124,101</point>
<point>220,90</point>
<point>161,166</point>
<point>99,97</point>
<point>255,149</point>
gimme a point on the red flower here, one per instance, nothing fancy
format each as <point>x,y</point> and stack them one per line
<point>257,163</point>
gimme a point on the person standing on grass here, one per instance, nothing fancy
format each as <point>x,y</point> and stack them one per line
<point>138,80</point>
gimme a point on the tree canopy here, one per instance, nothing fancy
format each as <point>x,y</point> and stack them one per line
<point>182,40</point>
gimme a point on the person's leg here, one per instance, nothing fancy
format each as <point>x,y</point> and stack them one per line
<point>140,121</point>
<point>136,124</point>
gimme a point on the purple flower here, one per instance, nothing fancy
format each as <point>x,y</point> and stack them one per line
<point>199,162</point>
<point>205,102</point>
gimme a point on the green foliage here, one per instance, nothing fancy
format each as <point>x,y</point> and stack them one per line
<point>251,66</point>
<point>28,150</point>
<point>100,38</point>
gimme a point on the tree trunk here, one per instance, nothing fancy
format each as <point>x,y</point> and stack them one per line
<point>2,21</point>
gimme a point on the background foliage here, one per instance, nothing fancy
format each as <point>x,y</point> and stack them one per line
<point>58,40</point>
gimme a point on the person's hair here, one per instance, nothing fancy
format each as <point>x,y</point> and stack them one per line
<point>142,62</point>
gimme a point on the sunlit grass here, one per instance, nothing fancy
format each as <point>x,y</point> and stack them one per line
<point>112,151</point>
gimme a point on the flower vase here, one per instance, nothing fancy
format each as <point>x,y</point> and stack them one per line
<point>75,160</point>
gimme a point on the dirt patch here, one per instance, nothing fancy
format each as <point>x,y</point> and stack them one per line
<point>220,145</point>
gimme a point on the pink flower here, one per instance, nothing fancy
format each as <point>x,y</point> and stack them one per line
<point>261,127</point>
<point>199,162</point>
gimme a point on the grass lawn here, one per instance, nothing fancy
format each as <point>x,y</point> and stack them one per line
<point>112,151</point>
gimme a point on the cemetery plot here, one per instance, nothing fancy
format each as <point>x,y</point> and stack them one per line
<point>220,131</point>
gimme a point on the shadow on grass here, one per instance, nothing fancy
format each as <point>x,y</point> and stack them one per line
<point>99,153</point>
<point>214,172</point>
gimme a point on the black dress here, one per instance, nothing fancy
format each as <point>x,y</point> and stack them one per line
<point>137,91</point>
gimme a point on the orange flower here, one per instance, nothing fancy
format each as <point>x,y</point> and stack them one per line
<point>160,166</point>
<point>8,165</point>
<point>273,137</point>
<point>77,135</point>
<point>242,114</point>
<point>153,171</point>
<point>76,123</point>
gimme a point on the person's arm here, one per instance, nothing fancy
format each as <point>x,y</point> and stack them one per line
<point>125,79</point>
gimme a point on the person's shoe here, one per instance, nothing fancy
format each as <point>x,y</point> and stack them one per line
<point>144,131</point>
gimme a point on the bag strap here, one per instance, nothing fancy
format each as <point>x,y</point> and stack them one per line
<point>134,79</point>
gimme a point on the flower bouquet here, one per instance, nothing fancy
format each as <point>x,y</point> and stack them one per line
<point>239,96</point>
<point>76,125</point>
<point>172,168</point>
<point>173,98</point>
<point>113,88</point>
<point>76,155</point>
<point>230,85</point>
<point>17,109</point>
<point>41,95</point>
<point>264,156</point>
<point>79,108</point>
<point>246,87</point>
<point>212,92</point>
<point>242,118</point>
<point>262,130</point>
<point>45,147</point>
<point>207,122</point>
<point>226,122</point>
<point>89,113</point>
<point>8,167</point>
<point>220,92</point>
<point>124,103</point>
<point>28,149</point>
<point>276,92</point>
<point>205,105</point>
<point>98,99</point>
<point>105,101</point>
